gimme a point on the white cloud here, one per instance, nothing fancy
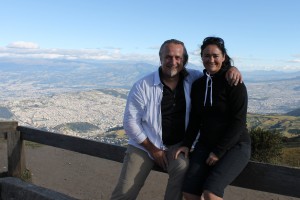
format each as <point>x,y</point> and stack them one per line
<point>23,45</point>
<point>154,47</point>
<point>295,61</point>
<point>28,50</point>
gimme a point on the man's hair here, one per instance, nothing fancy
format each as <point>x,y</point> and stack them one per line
<point>174,41</point>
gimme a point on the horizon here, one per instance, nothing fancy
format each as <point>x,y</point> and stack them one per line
<point>87,63</point>
<point>258,35</point>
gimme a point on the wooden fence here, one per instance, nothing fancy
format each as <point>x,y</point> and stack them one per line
<point>257,176</point>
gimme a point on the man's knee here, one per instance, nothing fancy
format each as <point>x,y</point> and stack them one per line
<point>179,166</point>
<point>181,163</point>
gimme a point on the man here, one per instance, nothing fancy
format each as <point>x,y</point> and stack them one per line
<point>155,119</point>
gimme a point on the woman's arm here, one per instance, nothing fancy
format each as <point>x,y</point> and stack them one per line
<point>238,103</point>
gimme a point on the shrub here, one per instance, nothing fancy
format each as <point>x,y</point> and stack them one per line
<point>266,145</point>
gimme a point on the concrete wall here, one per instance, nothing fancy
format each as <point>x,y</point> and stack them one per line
<point>16,189</point>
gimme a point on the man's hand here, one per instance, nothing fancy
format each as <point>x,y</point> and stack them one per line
<point>233,76</point>
<point>157,154</point>
<point>160,158</point>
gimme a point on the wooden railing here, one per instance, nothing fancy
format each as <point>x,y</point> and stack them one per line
<point>257,176</point>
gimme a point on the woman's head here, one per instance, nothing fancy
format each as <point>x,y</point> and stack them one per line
<point>214,54</point>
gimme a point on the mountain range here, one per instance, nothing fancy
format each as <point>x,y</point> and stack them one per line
<point>36,90</point>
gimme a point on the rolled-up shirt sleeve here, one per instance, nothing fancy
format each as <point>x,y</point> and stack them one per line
<point>134,113</point>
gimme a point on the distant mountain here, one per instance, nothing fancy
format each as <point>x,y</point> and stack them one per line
<point>79,74</point>
<point>76,74</point>
<point>129,70</point>
<point>268,90</point>
<point>265,76</point>
<point>295,113</point>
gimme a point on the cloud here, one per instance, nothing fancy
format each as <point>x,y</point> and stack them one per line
<point>296,55</point>
<point>295,61</point>
<point>29,50</point>
<point>154,47</point>
<point>23,45</point>
<point>195,52</point>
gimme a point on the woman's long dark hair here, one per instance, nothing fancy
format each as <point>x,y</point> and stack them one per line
<point>219,42</point>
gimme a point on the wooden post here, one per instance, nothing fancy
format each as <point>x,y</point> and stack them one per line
<point>6,126</point>
<point>15,148</point>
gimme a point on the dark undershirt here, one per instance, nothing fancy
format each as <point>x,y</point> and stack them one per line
<point>173,108</point>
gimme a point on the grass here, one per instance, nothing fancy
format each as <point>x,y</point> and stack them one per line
<point>26,176</point>
<point>290,157</point>
<point>121,133</point>
<point>33,145</point>
<point>289,126</point>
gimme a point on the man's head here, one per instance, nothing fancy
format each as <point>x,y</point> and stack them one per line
<point>173,57</point>
<point>174,41</point>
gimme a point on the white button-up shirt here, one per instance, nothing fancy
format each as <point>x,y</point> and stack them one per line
<point>142,116</point>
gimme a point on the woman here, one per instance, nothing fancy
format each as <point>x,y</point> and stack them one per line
<point>219,113</point>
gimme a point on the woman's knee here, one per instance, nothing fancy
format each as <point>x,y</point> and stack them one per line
<point>189,196</point>
<point>208,195</point>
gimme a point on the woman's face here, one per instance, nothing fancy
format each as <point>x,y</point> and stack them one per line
<point>212,58</point>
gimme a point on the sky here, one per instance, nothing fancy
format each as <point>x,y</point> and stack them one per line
<point>258,34</point>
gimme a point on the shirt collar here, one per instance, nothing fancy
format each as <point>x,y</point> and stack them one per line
<point>157,78</point>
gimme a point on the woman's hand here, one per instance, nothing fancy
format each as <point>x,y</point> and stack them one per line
<point>180,150</point>
<point>212,159</point>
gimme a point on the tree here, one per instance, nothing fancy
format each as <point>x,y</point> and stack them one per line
<point>266,145</point>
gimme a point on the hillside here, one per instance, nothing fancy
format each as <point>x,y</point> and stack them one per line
<point>295,113</point>
<point>289,126</point>
<point>268,91</point>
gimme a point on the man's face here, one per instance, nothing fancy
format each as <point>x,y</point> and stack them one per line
<point>172,60</point>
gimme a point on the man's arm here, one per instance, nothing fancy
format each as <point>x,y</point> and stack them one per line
<point>133,115</point>
<point>157,154</point>
<point>234,76</point>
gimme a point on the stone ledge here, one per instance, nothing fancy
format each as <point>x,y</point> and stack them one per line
<point>16,189</point>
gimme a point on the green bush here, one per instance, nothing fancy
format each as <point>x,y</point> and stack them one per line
<point>266,145</point>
